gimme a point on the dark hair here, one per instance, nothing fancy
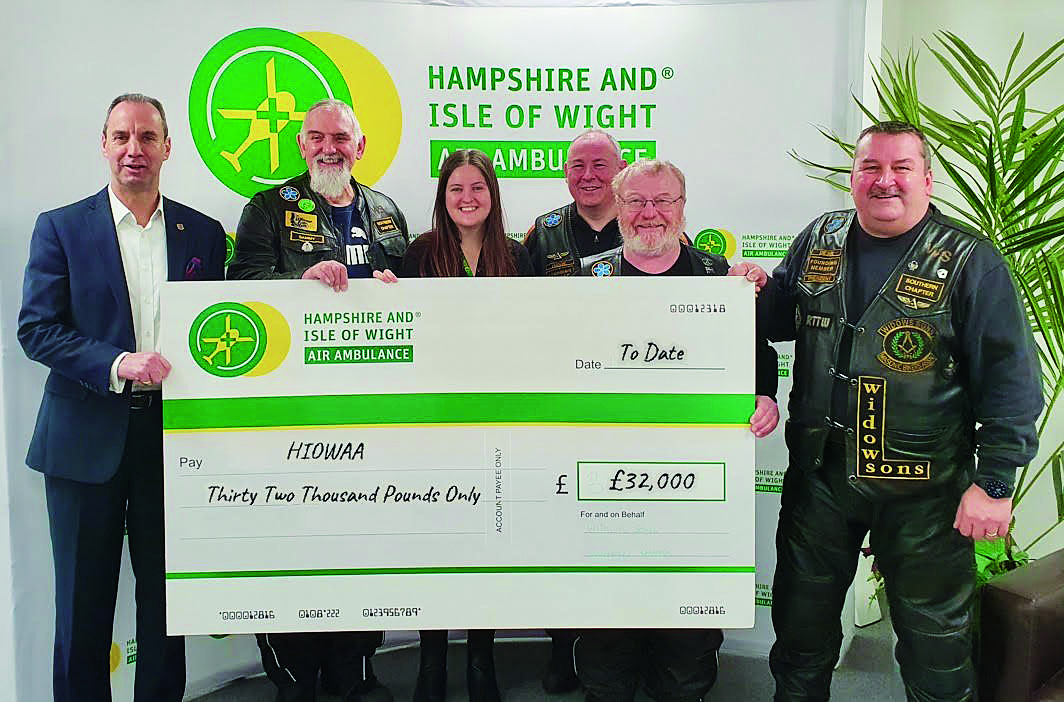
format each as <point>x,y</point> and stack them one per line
<point>137,97</point>
<point>445,243</point>
<point>899,127</point>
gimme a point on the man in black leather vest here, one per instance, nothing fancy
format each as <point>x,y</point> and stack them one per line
<point>587,225</point>
<point>323,226</point>
<point>673,665</point>
<point>913,356</point>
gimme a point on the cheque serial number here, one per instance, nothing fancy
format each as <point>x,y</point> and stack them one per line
<point>623,480</point>
<point>237,614</point>
<point>698,308</point>
<point>391,611</point>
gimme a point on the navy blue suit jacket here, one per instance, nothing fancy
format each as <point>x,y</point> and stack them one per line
<point>76,319</point>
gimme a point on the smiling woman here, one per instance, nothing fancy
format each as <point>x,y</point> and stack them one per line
<point>468,237</point>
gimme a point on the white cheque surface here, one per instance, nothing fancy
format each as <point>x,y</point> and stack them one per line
<point>459,453</point>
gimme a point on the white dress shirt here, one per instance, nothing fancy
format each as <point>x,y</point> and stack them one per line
<point>143,251</point>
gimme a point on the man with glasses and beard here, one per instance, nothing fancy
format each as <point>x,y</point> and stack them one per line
<point>673,665</point>
<point>322,225</point>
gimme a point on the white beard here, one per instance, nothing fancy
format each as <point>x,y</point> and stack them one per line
<point>656,245</point>
<point>329,181</point>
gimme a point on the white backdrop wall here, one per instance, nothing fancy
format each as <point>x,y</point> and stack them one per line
<point>751,79</point>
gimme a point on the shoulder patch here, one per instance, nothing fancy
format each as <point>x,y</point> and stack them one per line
<point>385,224</point>
<point>834,222</point>
<point>552,219</point>
<point>288,193</point>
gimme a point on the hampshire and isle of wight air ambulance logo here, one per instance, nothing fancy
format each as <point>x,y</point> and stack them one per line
<point>715,241</point>
<point>229,339</point>
<point>251,91</point>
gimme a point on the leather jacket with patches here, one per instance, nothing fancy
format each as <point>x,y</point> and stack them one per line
<point>909,423</point>
<point>277,238</point>
<point>608,263</point>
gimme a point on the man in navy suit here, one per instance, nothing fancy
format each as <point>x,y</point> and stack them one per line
<point>90,312</point>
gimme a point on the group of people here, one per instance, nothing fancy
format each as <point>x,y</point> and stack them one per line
<point>891,295</point>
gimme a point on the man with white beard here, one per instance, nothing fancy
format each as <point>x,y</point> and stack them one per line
<point>672,665</point>
<point>323,226</point>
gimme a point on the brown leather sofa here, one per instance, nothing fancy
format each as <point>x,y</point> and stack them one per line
<point>1021,634</point>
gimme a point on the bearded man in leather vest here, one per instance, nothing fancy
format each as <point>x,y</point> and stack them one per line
<point>322,225</point>
<point>916,390</point>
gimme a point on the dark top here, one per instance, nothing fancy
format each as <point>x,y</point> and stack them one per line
<point>588,241</point>
<point>682,266</point>
<point>419,249</point>
<point>998,369</point>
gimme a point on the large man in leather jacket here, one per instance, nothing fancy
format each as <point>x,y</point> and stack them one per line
<point>913,355</point>
<point>324,226</point>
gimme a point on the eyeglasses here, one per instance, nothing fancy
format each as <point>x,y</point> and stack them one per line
<point>635,204</point>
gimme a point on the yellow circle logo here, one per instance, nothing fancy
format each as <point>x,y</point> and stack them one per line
<point>251,91</point>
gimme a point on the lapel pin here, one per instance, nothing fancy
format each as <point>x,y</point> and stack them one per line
<point>180,227</point>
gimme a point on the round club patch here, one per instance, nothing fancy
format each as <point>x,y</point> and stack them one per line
<point>552,219</point>
<point>834,221</point>
<point>306,204</point>
<point>907,345</point>
<point>601,269</point>
<point>289,193</point>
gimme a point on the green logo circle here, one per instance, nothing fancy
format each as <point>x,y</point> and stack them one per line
<point>248,98</point>
<point>711,241</point>
<point>908,344</point>
<point>227,339</point>
<point>230,249</point>
<point>306,204</point>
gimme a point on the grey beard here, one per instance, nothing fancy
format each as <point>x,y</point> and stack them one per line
<point>329,182</point>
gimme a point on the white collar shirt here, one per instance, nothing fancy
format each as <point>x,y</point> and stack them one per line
<point>143,251</point>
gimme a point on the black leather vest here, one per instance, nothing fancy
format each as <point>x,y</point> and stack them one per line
<point>907,422</point>
<point>608,263</point>
<point>558,254</point>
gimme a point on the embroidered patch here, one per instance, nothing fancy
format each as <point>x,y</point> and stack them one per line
<point>288,193</point>
<point>385,225</point>
<point>822,266</point>
<point>601,269</point>
<point>567,267</point>
<point>557,256</point>
<point>907,345</point>
<point>818,321</point>
<point>834,222</point>
<point>306,204</point>
<point>295,235</point>
<point>871,460</point>
<point>552,219</point>
<point>918,293</point>
<point>300,220</point>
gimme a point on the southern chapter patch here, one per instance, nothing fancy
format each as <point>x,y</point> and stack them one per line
<point>918,293</point>
<point>822,266</point>
<point>907,345</point>
<point>301,220</point>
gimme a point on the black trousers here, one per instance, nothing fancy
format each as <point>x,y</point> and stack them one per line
<point>928,567</point>
<point>295,659</point>
<point>86,522</point>
<point>674,665</point>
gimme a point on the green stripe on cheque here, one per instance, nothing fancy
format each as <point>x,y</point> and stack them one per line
<point>444,570</point>
<point>459,408</point>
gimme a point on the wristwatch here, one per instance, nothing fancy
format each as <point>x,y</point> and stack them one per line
<point>993,487</point>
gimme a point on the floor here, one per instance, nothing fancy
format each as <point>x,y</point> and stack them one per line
<point>867,674</point>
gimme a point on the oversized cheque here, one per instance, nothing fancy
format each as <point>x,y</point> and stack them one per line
<point>459,453</point>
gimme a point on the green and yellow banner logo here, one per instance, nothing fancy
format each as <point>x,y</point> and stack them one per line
<point>716,241</point>
<point>251,91</point>
<point>230,339</point>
